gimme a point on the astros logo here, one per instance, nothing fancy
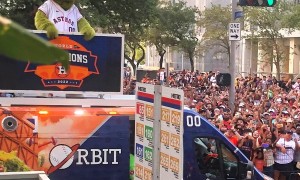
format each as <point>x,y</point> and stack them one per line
<point>82,64</point>
<point>61,157</point>
<point>61,71</point>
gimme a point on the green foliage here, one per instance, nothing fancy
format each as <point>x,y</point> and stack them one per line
<point>128,17</point>
<point>268,20</point>
<point>15,165</point>
<point>20,11</point>
<point>178,19</point>
<point>268,23</point>
<point>159,36</point>
<point>11,162</point>
<point>41,160</point>
<point>91,13</point>
<point>65,4</point>
<point>292,18</point>
<point>215,20</point>
<point>174,23</point>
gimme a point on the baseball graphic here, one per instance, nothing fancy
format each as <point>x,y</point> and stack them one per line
<point>60,153</point>
<point>61,157</point>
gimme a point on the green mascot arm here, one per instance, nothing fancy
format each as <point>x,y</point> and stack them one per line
<point>86,29</point>
<point>42,23</point>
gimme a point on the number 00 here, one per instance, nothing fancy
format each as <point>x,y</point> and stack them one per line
<point>193,121</point>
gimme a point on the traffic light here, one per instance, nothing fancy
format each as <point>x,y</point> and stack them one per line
<point>259,3</point>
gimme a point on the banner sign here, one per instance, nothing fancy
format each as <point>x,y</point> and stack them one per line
<point>95,66</point>
<point>171,135</point>
<point>163,132</point>
<point>144,118</point>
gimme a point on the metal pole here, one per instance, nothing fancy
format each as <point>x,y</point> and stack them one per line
<point>232,62</point>
<point>181,62</point>
<point>251,51</point>
<point>156,132</point>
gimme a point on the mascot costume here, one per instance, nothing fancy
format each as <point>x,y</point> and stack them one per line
<point>56,16</point>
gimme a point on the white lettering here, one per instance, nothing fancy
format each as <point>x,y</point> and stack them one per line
<point>193,121</point>
<point>115,155</point>
<point>86,153</point>
<point>97,156</point>
<point>96,153</point>
<point>105,156</point>
<point>79,58</point>
<point>61,70</point>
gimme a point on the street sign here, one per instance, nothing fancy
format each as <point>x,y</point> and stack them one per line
<point>234,31</point>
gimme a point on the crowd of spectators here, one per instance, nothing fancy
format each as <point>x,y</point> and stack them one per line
<point>265,124</point>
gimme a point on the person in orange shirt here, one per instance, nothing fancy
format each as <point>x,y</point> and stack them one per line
<point>233,136</point>
<point>258,159</point>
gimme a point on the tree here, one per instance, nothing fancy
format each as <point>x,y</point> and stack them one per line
<point>131,18</point>
<point>215,21</point>
<point>20,11</point>
<point>188,37</point>
<point>189,45</point>
<point>292,19</point>
<point>174,26</point>
<point>269,22</point>
<point>158,35</point>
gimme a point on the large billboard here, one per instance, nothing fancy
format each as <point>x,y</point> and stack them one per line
<point>96,66</point>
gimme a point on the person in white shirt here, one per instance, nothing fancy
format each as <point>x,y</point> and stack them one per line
<point>213,80</point>
<point>284,155</point>
<point>296,138</point>
<point>264,82</point>
<point>162,76</point>
<point>296,85</point>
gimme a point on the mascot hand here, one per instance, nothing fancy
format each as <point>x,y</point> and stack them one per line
<point>86,29</point>
<point>88,33</point>
<point>52,32</point>
<point>42,23</point>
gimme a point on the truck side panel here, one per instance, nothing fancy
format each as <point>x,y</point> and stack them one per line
<point>66,146</point>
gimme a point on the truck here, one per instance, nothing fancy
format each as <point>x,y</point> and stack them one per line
<point>96,142</point>
<point>64,124</point>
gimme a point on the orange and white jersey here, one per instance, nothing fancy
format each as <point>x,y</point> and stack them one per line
<point>64,21</point>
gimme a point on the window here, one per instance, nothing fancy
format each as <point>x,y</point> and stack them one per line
<point>215,160</point>
<point>207,157</point>
<point>230,163</point>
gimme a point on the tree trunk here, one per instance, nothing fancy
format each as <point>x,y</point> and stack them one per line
<point>161,59</point>
<point>191,62</point>
<point>133,67</point>
<point>277,65</point>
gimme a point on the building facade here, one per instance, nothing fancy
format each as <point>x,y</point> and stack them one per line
<point>254,58</point>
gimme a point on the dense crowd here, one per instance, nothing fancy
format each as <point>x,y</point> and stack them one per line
<point>265,124</point>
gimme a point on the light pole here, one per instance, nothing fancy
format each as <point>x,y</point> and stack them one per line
<point>232,62</point>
